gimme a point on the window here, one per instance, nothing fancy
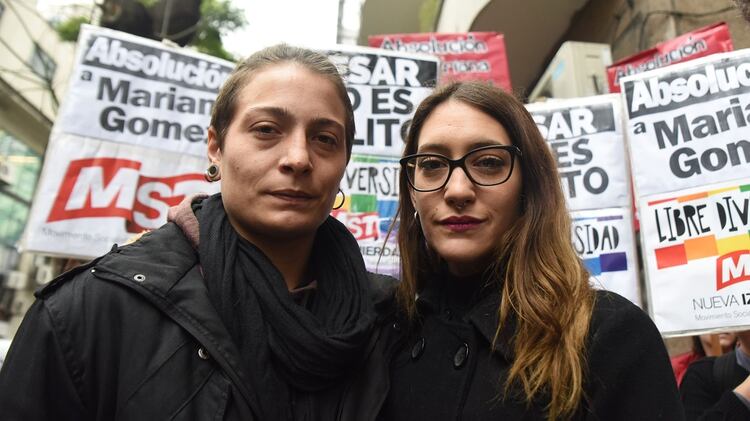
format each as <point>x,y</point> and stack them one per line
<point>17,189</point>
<point>42,64</point>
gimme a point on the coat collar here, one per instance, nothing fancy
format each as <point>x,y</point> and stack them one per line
<point>483,315</point>
<point>163,267</point>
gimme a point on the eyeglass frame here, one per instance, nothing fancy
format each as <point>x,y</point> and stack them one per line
<point>461,163</point>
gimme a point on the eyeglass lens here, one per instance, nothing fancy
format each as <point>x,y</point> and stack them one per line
<point>484,166</point>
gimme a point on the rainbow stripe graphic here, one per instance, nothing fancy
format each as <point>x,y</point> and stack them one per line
<point>605,262</point>
<point>700,247</point>
<point>358,203</point>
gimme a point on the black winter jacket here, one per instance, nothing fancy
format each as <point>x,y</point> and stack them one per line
<point>629,375</point>
<point>709,396</point>
<point>129,336</point>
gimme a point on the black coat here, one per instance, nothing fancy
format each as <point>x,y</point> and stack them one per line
<point>708,397</point>
<point>130,336</point>
<point>629,374</point>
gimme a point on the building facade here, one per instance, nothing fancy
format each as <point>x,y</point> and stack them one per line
<point>34,69</point>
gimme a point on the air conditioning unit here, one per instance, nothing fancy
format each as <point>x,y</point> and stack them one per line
<point>578,69</point>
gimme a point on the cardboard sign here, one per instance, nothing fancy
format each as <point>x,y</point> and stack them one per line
<point>605,241</point>
<point>464,56</point>
<point>371,188</point>
<point>385,89</point>
<point>586,137</point>
<point>688,123</point>
<point>695,44</point>
<point>696,244</point>
<point>130,142</point>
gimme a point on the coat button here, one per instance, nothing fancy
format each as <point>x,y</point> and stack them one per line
<point>202,354</point>
<point>396,327</point>
<point>462,354</point>
<point>417,349</point>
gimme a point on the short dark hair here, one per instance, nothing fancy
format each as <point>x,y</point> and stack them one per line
<point>226,102</point>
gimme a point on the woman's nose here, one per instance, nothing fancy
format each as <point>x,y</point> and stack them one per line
<point>459,190</point>
<point>297,154</point>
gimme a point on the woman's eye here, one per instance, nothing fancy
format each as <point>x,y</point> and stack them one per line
<point>489,162</point>
<point>431,164</point>
<point>327,139</point>
<point>265,130</point>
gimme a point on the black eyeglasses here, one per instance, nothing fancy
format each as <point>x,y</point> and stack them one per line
<point>485,166</point>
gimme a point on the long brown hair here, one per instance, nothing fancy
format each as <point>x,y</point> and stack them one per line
<point>545,285</point>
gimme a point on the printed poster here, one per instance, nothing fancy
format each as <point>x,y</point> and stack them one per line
<point>694,44</point>
<point>371,185</point>
<point>129,142</point>
<point>586,138</point>
<point>605,240</point>
<point>696,246</point>
<point>463,56</point>
<point>385,88</point>
<point>689,124</point>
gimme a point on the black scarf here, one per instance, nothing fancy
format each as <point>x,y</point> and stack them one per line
<point>289,351</point>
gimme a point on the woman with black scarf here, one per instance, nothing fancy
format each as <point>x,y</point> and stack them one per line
<point>252,304</point>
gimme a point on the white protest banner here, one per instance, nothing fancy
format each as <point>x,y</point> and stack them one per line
<point>605,240</point>
<point>129,142</point>
<point>371,188</point>
<point>586,137</point>
<point>137,91</point>
<point>93,194</point>
<point>688,123</point>
<point>385,88</point>
<point>696,245</point>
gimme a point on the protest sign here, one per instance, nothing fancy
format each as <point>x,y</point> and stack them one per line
<point>385,89</point>
<point>688,123</point>
<point>586,137</point>
<point>695,44</point>
<point>696,246</point>
<point>129,142</point>
<point>463,56</point>
<point>604,238</point>
<point>135,91</point>
<point>371,188</point>
<point>95,194</point>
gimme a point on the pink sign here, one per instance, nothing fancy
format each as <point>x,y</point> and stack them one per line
<point>699,43</point>
<point>463,56</point>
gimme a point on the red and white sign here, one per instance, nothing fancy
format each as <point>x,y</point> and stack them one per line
<point>104,193</point>
<point>696,247</point>
<point>699,43</point>
<point>129,142</point>
<point>464,56</point>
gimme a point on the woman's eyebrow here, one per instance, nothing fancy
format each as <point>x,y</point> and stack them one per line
<point>444,149</point>
<point>320,122</point>
<point>277,112</point>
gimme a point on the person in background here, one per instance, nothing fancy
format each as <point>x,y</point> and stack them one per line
<point>702,347</point>
<point>494,318</point>
<point>718,388</point>
<point>252,304</point>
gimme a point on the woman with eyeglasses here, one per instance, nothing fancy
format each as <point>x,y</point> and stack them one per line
<point>494,318</point>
